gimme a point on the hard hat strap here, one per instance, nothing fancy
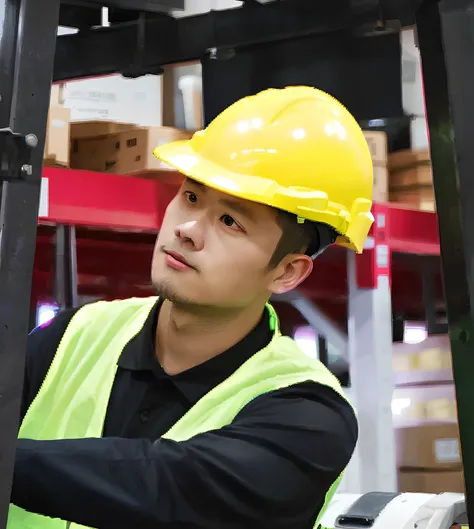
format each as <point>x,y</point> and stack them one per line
<point>324,237</point>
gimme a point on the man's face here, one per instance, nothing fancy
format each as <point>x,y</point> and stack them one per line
<point>213,250</point>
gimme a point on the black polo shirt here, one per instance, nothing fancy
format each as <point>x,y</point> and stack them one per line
<point>270,468</point>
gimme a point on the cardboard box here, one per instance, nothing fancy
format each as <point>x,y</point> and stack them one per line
<point>125,152</point>
<point>425,362</point>
<point>411,179</point>
<point>434,359</point>
<point>421,198</point>
<point>420,405</point>
<point>380,190</point>
<point>377,142</point>
<point>56,148</point>
<point>432,446</point>
<point>57,94</point>
<point>417,176</point>
<point>431,482</point>
<point>94,129</point>
<point>115,98</point>
<point>408,158</point>
<point>442,409</point>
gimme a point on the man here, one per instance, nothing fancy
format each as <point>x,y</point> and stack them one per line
<point>190,410</point>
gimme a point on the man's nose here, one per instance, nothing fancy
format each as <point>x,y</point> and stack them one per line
<point>189,233</point>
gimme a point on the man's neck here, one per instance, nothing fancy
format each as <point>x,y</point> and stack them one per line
<point>187,338</point>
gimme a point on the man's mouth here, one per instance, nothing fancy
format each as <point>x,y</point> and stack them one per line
<point>177,260</point>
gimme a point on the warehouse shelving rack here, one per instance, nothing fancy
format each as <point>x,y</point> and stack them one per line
<point>401,240</point>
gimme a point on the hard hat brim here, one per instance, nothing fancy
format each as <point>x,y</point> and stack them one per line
<point>182,156</point>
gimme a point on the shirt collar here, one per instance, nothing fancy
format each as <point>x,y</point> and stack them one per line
<point>139,355</point>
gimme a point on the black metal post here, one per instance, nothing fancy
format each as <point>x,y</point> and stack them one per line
<point>27,45</point>
<point>323,350</point>
<point>446,40</point>
<point>65,278</point>
<point>428,278</point>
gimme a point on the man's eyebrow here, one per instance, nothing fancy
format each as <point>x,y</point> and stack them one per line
<point>239,207</point>
<point>235,205</point>
<point>190,181</point>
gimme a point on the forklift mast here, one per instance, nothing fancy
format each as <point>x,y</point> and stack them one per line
<point>142,38</point>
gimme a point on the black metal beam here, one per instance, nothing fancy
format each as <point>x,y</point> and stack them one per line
<point>76,14</point>
<point>446,40</point>
<point>428,280</point>
<point>27,41</point>
<point>323,350</point>
<point>65,277</point>
<point>167,40</point>
<point>150,6</point>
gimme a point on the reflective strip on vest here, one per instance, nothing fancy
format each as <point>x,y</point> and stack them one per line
<point>72,401</point>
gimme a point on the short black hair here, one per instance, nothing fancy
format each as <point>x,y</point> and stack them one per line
<point>310,238</point>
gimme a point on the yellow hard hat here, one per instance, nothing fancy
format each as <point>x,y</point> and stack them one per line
<point>297,149</point>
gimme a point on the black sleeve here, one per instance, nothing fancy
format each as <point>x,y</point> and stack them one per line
<point>41,348</point>
<point>270,468</point>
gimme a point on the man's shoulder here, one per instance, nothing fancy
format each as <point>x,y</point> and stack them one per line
<point>311,419</point>
<point>307,403</point>
<point>41,348</point>
<point>53,328</point>
<point>311,400</point>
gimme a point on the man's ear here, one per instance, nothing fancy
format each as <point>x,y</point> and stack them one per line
<point>290,273</point>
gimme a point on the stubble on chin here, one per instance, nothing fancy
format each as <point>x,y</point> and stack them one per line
<point>164,290</point>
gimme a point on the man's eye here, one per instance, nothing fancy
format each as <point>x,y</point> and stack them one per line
<point>229,221</point>
<point>192,197</point>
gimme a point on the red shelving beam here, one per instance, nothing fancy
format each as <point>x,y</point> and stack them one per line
<point>129,204</point>
<point>411,231</point>
<point>85,198</point>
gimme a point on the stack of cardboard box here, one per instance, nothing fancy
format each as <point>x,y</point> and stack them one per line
<point>56,147</point>
<point>105,146</point>
<point>403,177</point>
<point>120,148</point>
<point>377,142</point>
<point>425,417</point>
<point>429,458</point>
<point>410,180</point>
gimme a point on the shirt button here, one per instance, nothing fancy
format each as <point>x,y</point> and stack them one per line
<point>145,415</point>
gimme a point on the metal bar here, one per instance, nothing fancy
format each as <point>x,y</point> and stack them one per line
<point>110,50</point>
<point>65,280</point>
<point>446,41</point>
<point>85,14</point>
<point>323,350</point>
<point>317,319</point>
<point>150,6</point>
<point>428,287</point>
<point>27,43</point>
<point>8,38</point>
<point>322,324</point>
<point>370,365</point>
<point>428,279</point>
<point>79,15</point>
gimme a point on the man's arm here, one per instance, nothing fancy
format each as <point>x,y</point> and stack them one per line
<point>270,468</point>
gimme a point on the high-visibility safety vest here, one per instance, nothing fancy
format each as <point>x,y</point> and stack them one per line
<point>72,402</point>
